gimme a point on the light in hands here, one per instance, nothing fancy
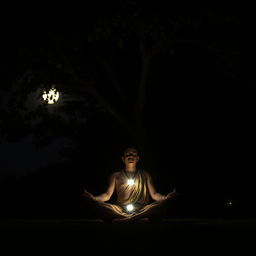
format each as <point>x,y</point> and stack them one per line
<point>129,207</point>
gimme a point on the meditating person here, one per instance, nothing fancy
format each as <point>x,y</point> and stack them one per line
<point>133,188</point>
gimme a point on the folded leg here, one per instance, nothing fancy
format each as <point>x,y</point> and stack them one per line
<point>154,211</point>
<point>107,212</point>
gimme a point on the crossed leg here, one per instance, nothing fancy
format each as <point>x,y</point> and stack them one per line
<point>107,212</point>
<point>114,213</point>
<point>153,211</point>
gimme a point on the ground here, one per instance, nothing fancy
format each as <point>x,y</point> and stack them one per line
<point>183,235</point>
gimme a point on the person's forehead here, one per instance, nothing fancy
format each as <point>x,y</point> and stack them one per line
<point>131,150</point>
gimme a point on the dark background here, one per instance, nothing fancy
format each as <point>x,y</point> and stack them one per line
<point>199,113</point>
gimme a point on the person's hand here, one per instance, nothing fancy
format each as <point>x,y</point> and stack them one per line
<point>171,195</point>
<point>88,195</point>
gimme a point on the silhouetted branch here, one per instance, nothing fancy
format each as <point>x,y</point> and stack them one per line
<point>92,90</point>
<point>112,74</point>
<point>141,92</point>
<point>205,45</point>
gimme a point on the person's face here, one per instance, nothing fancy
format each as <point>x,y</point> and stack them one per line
<point>130,156</point>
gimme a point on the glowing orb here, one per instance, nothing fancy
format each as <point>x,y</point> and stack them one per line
<point>51,96</point>
<point>129,207</point>
<point>130,182</point>
<point>229,203</point>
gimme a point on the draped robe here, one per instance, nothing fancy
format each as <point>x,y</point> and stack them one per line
<point>138,196</point>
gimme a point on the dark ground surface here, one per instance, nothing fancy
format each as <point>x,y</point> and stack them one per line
<point>79,236</point>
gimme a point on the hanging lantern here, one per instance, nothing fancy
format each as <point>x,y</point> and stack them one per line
<point>51,97</point>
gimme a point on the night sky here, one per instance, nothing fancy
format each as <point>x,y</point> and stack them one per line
<point>193,122</point>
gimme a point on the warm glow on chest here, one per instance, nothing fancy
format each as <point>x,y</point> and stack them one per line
<point>130,182</point>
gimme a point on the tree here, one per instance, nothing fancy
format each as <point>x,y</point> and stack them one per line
<point>128,42</point>
<point>138,65</point>
<point>114,57</point>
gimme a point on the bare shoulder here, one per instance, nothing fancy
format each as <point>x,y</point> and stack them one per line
<point>115,175</point>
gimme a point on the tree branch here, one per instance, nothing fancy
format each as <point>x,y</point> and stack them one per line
<point>140,101</point>
<point>85,87</point>
<point>141,93</point>
<point>113,76</point>
<point>205,45</point>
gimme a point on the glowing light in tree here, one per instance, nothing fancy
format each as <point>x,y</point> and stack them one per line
<point>129,207</point>
<point>51,97</point>
<point>130,182</point>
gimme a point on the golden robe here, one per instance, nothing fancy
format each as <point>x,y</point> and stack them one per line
<point>139,196</point>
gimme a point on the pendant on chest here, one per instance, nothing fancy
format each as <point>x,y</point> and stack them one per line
<point>130,182</point>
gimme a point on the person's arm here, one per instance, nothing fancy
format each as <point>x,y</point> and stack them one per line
<point>110,190</point>
<point>152,191</point>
